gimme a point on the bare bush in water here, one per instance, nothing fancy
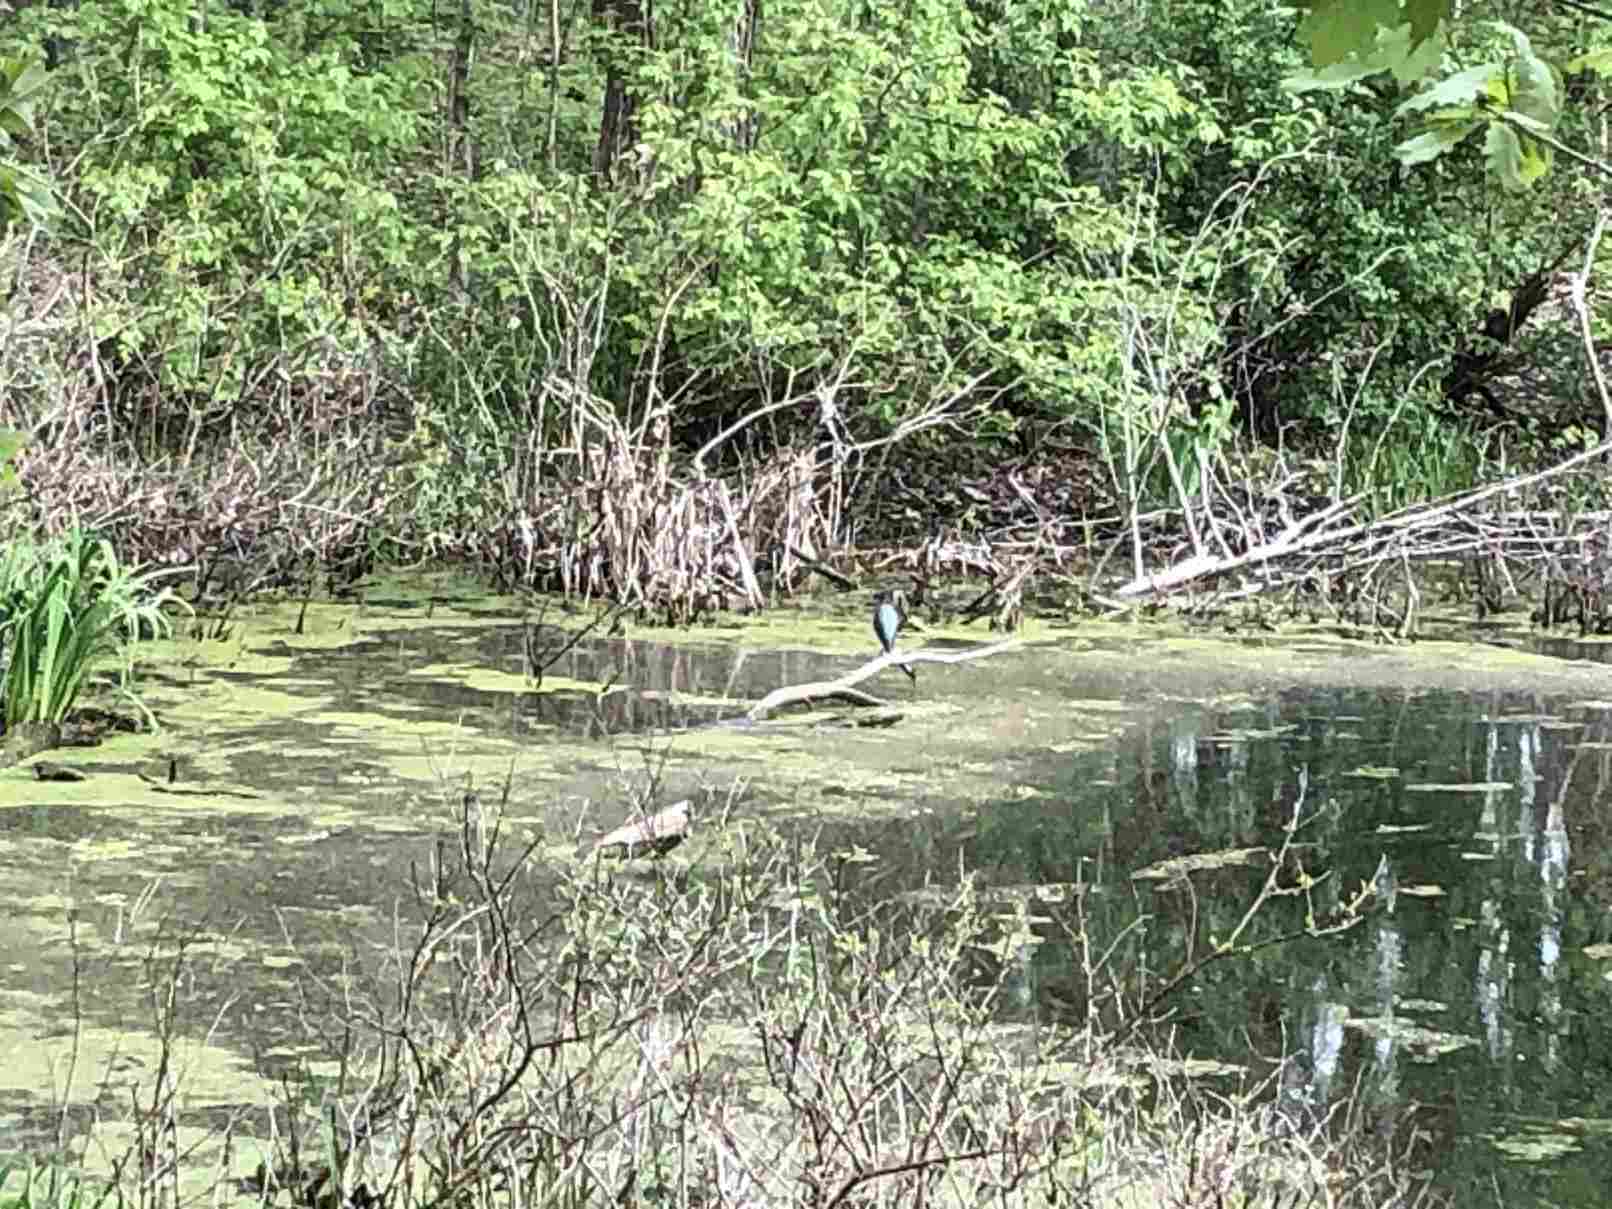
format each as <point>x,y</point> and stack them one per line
<point>753,1022</point>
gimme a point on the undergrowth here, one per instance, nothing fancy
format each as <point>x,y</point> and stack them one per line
<point>751,1022</point>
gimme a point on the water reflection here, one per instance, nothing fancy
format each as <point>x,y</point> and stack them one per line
<point>1482,824</point>
<point>632,687</point>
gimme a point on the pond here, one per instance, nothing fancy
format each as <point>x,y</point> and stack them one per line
<point>1480,989</point>
<point>274,824</point>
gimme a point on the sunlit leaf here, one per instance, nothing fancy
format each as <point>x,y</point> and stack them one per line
<point>1336,29</point>
<point>1534,91</point>
<point>1431,144</point>
<point>1463,88</point>
<point>1526,159</point>
<point>1597,61</point>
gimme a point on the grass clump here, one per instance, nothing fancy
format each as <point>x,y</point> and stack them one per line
<point>66,604</point>
<point>46,1186</point>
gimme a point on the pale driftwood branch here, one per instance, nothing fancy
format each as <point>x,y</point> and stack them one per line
<point>657,833</point>
<point>823,569</point>
<point>747,570</point>
<point>844,689</point>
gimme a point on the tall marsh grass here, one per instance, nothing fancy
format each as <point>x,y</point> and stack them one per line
<point>44,1186</point>
<point>65,605</point>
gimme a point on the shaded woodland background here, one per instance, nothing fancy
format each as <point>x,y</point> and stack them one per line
<point>665,301</point>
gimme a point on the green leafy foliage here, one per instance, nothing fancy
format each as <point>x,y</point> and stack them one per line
<point>1515,100</point>
<point>236,179</point>
<point>973,217</point>
<point>23,195</point>
<point>1344,282</point>
<point>1338,29</point>
<point>930,192</point>
<point>11,444</point>
<point>49,1186</point>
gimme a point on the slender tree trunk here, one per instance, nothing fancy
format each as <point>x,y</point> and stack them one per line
<point>746,30</point>
<point>556,49</point>
<point>459,152</point>
<point>618,130</point>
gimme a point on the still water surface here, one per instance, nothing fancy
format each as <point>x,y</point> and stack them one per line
<point>1475,991</point>
<point>1478,987</point>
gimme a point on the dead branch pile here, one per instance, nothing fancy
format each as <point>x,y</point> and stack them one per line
<point>622,518</point>
<point>247,525</point>
<point>1496,529</point>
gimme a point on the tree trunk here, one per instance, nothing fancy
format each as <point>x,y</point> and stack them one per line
<point>459,152</point>
<point>618,131</point>
<point>742,44</point>
<point>1472,365</point>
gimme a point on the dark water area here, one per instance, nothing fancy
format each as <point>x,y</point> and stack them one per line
<point>1476,990</point>
<point>650,687</point>
<point>1573,648</point>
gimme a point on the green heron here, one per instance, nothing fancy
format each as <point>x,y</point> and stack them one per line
<point>888,617</point>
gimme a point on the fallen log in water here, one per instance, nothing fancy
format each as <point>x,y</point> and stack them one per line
<point>844,688</point>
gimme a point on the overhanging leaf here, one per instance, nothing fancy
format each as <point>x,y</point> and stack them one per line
<point>1421,58</point>
<point>1533,90</point>
<point>1333,76</point>
<point>1392,50</point>
<point>1336,29</point>
<point>1517,161</point>
<point>1431,144</point>
<point>1425,16</point>
<point>1463,88</point>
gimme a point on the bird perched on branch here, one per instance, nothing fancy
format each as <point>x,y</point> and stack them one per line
<point>888,618</point>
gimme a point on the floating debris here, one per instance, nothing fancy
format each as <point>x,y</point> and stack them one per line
<point>659,833</point>
<point>1177,867</point>
<point>44,770</point>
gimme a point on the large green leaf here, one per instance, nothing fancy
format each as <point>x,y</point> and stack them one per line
<point>22,195</point>
<point>1337,29</point>
<point>1515,160</point>
<point>1463,88</point>
<point>1533,83</point>
<point>1421,54</point>
<point>1425,16</point>
<point>1392,51</point>
<point>1434,142</point>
